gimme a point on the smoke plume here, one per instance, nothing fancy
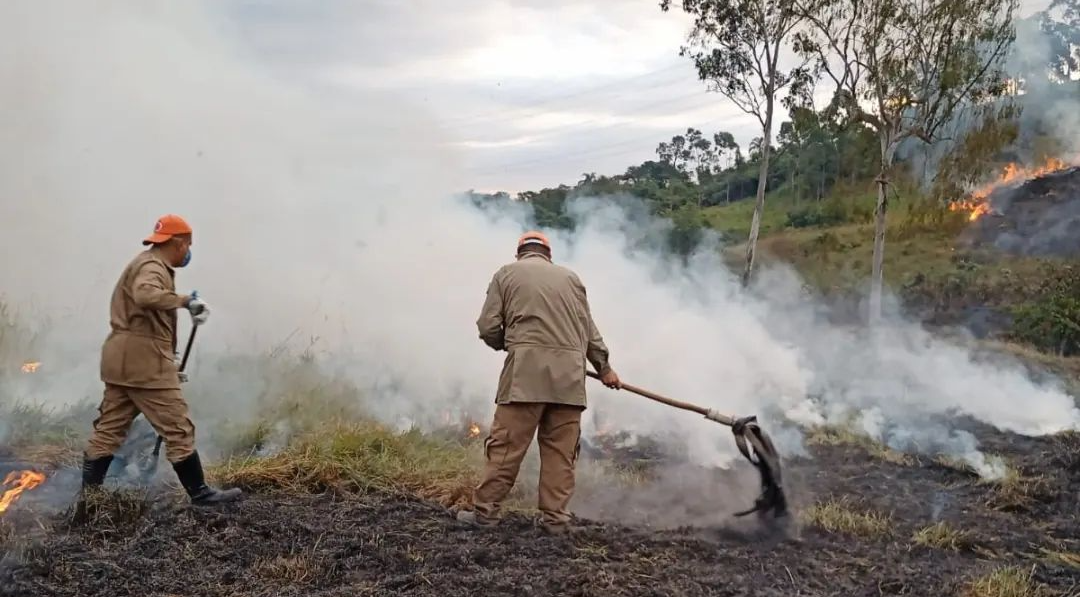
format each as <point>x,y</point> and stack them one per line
<point>328,223</point>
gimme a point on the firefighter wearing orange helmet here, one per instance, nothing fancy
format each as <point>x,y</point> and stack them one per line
<point>138,367</point>
<point>538,313</point>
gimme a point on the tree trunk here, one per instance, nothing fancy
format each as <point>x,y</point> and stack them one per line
<point>759,207</point>
<point>876,277</point>
<point>792,183</point>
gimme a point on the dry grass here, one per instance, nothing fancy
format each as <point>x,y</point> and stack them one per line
<point>1011,490</point>
<point>51,456</point>
<point>839,516</point>
<point>955,464</point>
<point>295,569</point>
<point>110,512</point>
<point>1061,558</point>
<point>361,457</point>
<point>1010,581</point>
<point>944,536</point>
<point>843,435</point>
<point>1017,491</point>
<point>21,545</point>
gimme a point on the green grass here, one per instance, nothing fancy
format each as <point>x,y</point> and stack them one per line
<point>735,219</point>
<point>926,262</point>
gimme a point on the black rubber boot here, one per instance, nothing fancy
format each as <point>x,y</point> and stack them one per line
<point>190,473</point>
<point>94,470</point>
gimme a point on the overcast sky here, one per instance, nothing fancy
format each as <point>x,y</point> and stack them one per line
<point>532,93</point>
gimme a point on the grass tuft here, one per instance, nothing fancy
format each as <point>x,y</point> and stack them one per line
<point>110,513</point>
<point>1061,558</point>
<point>841,435</point>
<point>943,536</point>
<point>1015,491</point>
<point>1010,581</point>
<point>839,516</point>
<point>361,457</point>
<point>294,569</point>
<point>1010,489</point>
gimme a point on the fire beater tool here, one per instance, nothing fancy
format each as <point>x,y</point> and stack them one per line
<point>753,443</point>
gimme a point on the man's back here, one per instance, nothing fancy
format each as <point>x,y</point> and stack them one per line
<point>544,305</point>
<point>538,312</point>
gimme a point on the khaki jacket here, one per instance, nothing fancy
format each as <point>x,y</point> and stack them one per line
<point>140,350</point>
<point>538,313</point>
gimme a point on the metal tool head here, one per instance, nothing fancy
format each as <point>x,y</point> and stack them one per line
<point>758,448</point>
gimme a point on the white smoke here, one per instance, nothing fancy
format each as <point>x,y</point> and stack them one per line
<point>331,222</point>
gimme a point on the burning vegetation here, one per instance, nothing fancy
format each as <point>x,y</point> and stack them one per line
<point>31,366</point>
<point>978,203</point>
<point>19,482</point>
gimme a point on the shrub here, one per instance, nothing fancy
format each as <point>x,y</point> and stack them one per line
<point>825,214</point>
<point>1051,324</point>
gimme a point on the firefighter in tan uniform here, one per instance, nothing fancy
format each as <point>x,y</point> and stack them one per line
<point>138,367</point>
<point>538,313</point>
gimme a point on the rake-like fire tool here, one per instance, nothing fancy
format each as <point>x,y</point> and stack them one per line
<point>754,444</point>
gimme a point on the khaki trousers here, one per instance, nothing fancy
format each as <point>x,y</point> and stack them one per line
<point>165,409</point>
<point>558,431</point>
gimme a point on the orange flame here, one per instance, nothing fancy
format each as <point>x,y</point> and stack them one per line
<point>474,430</point>
<point>977,205</point>
<point>31,367</point>
<point>22,481</point>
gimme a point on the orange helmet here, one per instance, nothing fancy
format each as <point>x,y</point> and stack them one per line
<point>166,227</point>
<point>534,237</point>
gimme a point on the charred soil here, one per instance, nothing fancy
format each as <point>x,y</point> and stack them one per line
<point>865,524</point>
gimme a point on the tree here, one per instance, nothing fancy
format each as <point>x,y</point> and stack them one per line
<point>674,153</point>
<point>905,68</point>
<point>1061,23</point>
<point>700,154</point>
<point>725,145</point>
<point>662,173</point>
<point>735,46</point>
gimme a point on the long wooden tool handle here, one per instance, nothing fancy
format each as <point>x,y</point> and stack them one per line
<point>701,410</point>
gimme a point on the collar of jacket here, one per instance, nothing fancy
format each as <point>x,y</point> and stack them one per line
<point>532,255</point>
<point>155,252</point>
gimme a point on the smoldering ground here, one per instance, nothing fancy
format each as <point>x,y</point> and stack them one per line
<point>328,224</point>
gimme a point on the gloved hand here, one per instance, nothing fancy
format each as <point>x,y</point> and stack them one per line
<point>181,374</point>
<point>199,310</point>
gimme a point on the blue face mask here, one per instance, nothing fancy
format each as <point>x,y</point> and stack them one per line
<point>187,259</point>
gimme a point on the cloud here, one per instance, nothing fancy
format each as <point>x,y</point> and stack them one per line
<point>580,78</point>
<point>512,82</point>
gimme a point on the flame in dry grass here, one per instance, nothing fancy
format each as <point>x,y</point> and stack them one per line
<point>21,481</point>
<point>977,204</point>
<point>31,366</point>
<point>474,430</point>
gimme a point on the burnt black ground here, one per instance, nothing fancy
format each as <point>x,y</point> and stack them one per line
<point>378,544</point>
